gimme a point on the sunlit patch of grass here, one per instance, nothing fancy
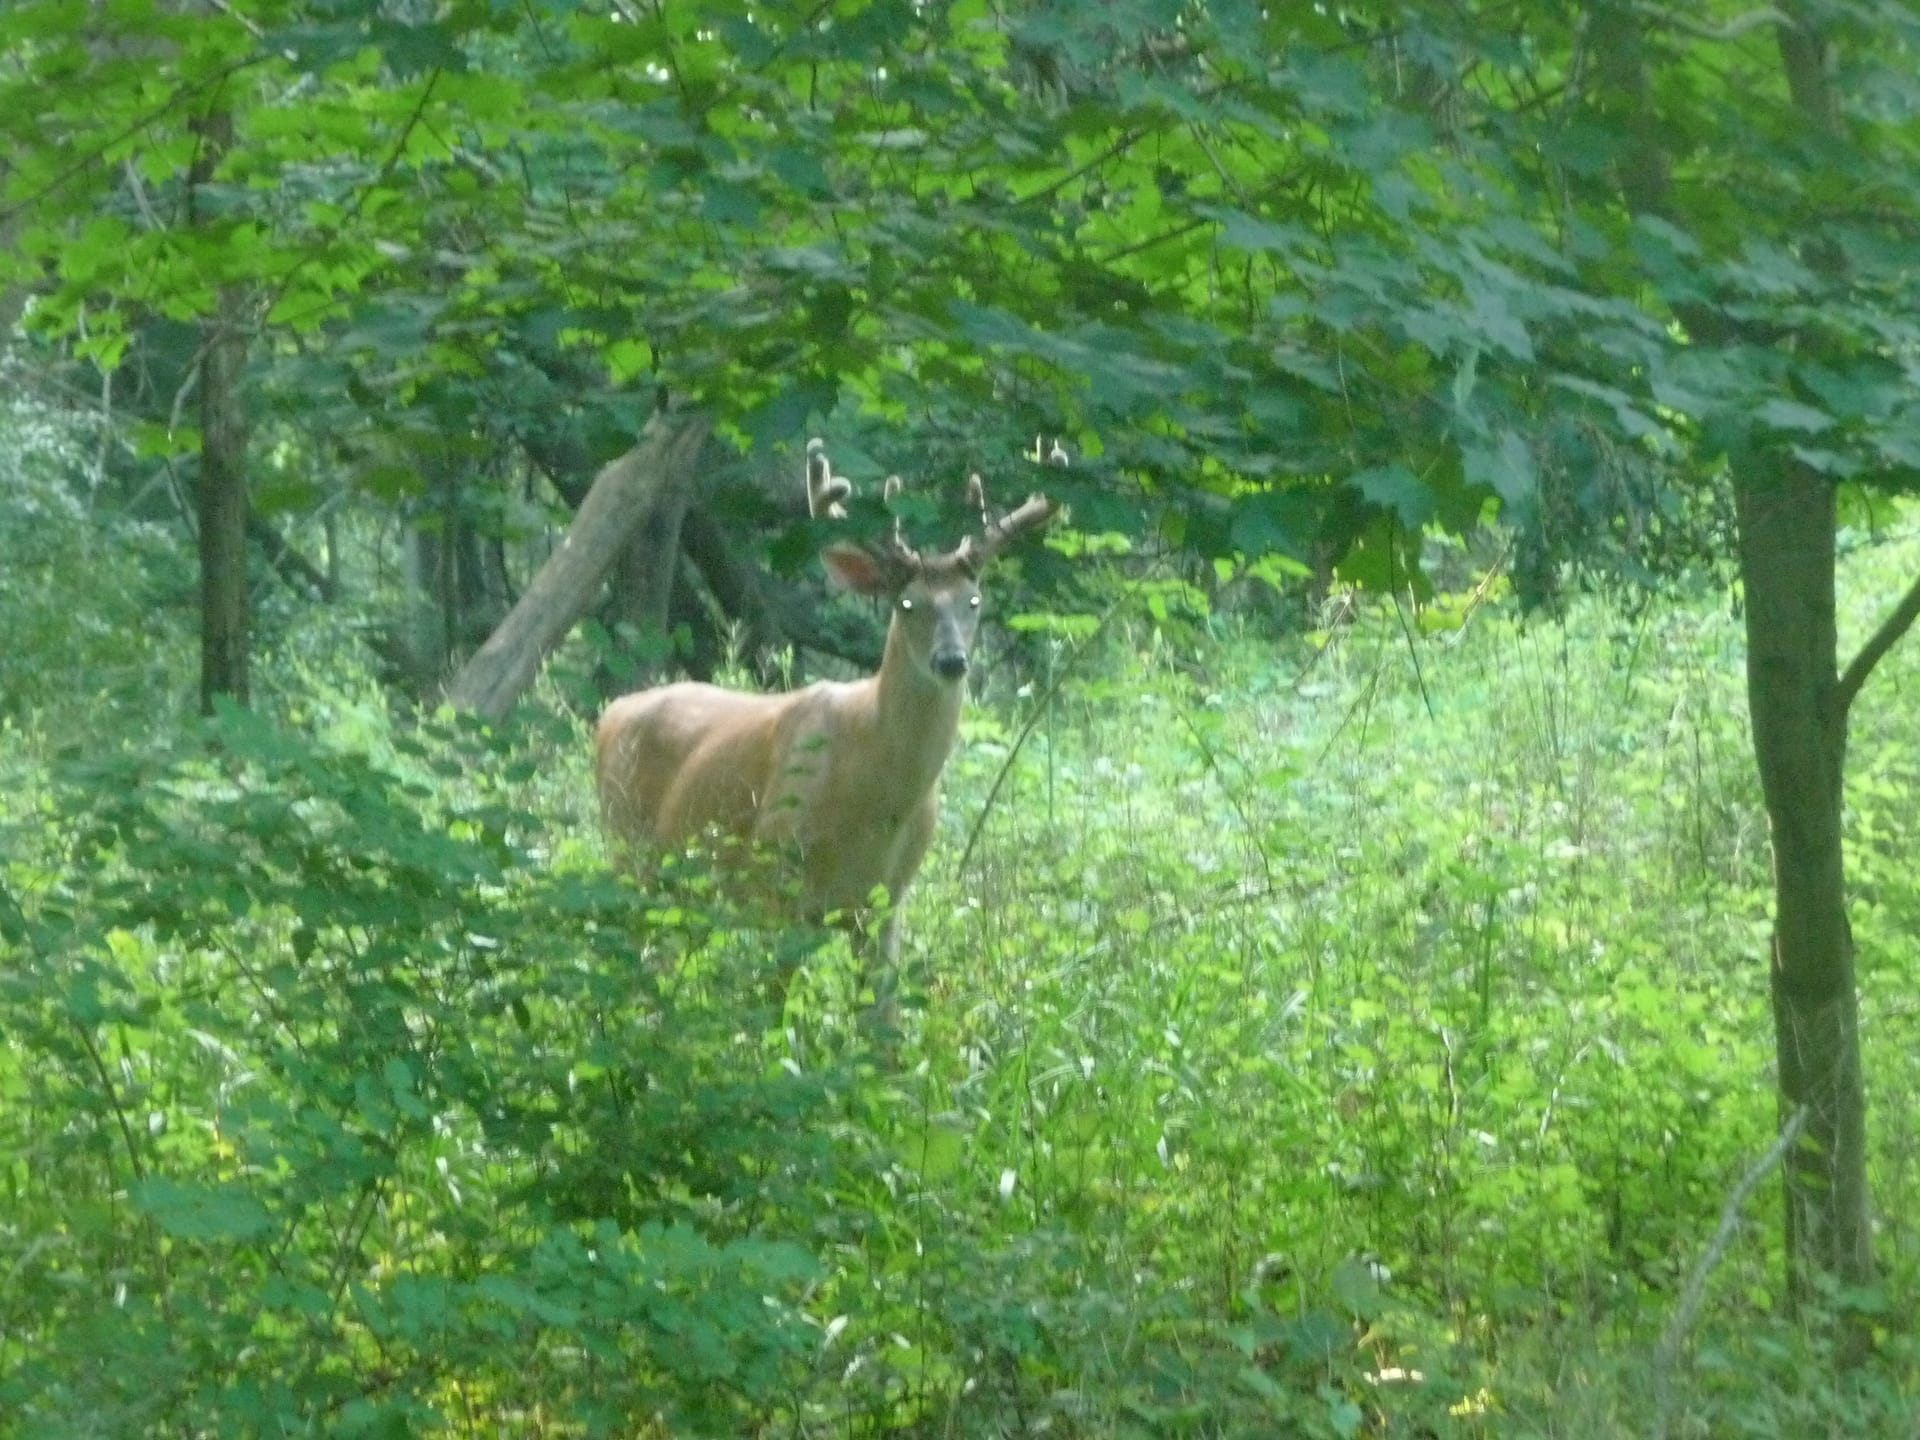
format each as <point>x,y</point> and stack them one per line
<point>1459,969</point>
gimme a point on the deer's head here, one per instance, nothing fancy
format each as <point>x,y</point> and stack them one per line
<point>935,597</point>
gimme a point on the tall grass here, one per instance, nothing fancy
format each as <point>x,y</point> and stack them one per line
<point>1353,1038</point>
<point>1446,955</point>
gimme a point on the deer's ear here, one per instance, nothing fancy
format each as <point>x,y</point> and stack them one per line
<point>855,568</point>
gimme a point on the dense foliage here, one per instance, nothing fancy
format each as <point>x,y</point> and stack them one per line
<point>1369,1050</point>
<point>1351,270</point>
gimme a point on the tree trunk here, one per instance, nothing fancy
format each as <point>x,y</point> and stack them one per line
<point>1799,715</point>
<point>644,492</point>
<point>13,298</point>
<point>737,588</point>
<point>646,575</point>
<point>222,485</point>
<point>223,509</point>
<point>1787,535</point>
<point>458,593</point>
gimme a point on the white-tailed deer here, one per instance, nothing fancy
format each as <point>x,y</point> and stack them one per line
<point>840,780</point>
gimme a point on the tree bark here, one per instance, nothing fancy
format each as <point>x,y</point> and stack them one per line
<point>645,577</point>
<point>1787,545</point>
<point>634,495</point>
<point>224,641</point>
<point>222,483</point>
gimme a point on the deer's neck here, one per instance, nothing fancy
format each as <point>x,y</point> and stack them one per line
<point>916,717</point>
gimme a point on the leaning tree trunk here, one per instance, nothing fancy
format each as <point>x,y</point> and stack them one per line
<point>1787,534</point>
<point>643,493</point>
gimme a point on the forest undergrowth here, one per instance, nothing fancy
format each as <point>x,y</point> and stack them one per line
<point>1362,1040</point>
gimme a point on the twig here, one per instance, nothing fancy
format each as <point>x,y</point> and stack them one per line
<point>1160,238</point>
<point>1128,138</point>
<point>1362,705</point>
<point>395,153</point>
<point>92,156</point>
<point>1668,1352</point>
<point>1334,625</point>
<point>243,21</point>
<point>1483,591</point>
<point>1413,653</point>
<point>1730,30</point>
<point>1033,718</point>
<point>1406,630</point>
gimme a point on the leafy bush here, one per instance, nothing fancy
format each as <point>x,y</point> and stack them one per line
<point>80,586</point>
<point>384,1118</point>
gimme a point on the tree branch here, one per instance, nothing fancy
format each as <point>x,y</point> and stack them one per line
<point>295,570</point>
<point>1875,650</point>
<point>771,615</point>
<point>1732,29</point>
<point>1696,1289</point>
<point>26,203</point>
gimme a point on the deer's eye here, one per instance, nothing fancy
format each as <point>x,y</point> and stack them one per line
<point>905,603</point>
<point>974,601</point>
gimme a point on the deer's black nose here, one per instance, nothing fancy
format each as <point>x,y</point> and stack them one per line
<point>950,664</point>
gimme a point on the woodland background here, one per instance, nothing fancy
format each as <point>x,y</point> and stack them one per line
<point>1422,935</point>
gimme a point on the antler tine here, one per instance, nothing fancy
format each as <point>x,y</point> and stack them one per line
<point>1034,512</point>
<point>893,486</point>
<point>977,497</point>
<point>825,490</point>
<point>995,535</point>
<point>1048,451</point>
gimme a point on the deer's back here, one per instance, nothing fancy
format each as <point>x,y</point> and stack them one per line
<point>678,760</point>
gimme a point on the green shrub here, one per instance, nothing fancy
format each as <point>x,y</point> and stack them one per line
<point>85,594</point>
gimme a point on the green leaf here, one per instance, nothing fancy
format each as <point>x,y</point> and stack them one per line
<point>786,414</point>
<point>413,49</point>
<point>201,1212</point>
<point>1792,415</point>
<point>1282,521</point>
<point>725,202</point>
<point>1357,1288</point>
<point>1396,489</point>
<point>1506,467</point>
